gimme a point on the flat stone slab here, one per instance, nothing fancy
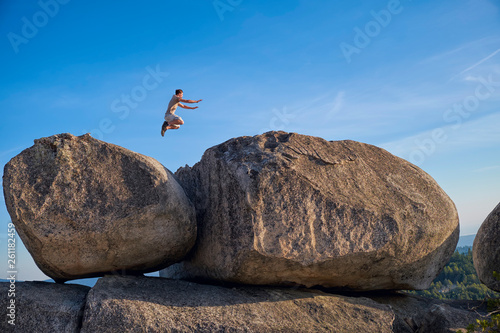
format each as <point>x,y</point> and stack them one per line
<point>144,304</point>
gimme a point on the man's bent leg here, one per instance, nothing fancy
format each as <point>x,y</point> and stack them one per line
<point>176,122</point>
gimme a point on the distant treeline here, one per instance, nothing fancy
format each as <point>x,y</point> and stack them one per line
<point>458,280</point>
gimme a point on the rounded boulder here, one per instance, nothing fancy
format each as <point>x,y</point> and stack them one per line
<point>288,209</point>
<point>486,250</point>
<point>84,208</point>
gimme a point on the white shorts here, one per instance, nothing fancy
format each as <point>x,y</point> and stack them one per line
<point>171,117</point>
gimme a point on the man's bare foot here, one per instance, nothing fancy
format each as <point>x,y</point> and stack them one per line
<point>173,127</point>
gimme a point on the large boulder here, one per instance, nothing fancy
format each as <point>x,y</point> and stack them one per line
<point>84,207</point>
<point>288,209</point>
<point>486,250</point>
<point>41,307</point>
<point>145,304</point>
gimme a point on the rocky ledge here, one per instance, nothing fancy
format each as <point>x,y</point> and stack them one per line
<point>148,304</point>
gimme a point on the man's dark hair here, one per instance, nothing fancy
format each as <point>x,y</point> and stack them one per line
<point>178,91</point>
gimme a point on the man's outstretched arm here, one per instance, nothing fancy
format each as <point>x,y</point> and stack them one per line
<point>190,101</point>
<point>188,107</point>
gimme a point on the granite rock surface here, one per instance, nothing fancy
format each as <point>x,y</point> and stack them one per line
<point>288,209</point>
<point>84,207</point>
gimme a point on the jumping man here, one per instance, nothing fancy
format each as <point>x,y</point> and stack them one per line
<point>173,121</point>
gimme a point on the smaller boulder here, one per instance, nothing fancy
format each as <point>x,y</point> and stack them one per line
<point>486,250</point>
<point>42,307</point>
<point>84,207</point>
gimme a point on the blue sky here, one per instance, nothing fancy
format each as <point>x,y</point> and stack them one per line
<point>418,78</point>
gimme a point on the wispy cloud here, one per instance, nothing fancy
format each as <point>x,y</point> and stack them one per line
<point>470,45</point>
<point>480,62</point>
<point>338,104</point>
<point>358,111</point>
<point>66,101</point>
<point>9,151</point>
<point>486,169</point>
<point>475,134</point>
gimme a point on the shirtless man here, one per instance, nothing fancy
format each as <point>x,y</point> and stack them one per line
<point>173,121</point>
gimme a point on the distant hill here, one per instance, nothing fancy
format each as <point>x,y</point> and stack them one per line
<point>466,240</point>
